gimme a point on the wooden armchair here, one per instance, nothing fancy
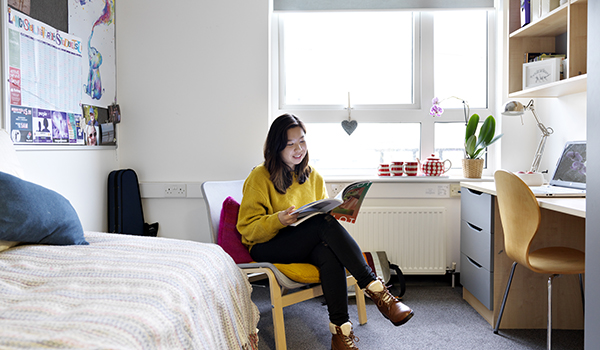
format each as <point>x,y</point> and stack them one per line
<point>283,290</point>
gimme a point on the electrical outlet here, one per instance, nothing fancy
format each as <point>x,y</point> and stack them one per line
<point>175,190</point>
<point>454,190</point>
<point>442,190</point>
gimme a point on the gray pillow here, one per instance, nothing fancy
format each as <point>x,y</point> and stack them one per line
<point>34,214</point>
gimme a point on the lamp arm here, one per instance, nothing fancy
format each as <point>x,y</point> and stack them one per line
<point>538,154</point>
<point>546,131</point>
<point>542,145</point>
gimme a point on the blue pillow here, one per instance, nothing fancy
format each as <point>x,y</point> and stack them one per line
<point>30,213</point>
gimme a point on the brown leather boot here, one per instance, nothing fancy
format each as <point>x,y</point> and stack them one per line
<point>388,304</point>
<point>343,337</point>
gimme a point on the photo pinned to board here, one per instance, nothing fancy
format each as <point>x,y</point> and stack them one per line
<point>98,128</point>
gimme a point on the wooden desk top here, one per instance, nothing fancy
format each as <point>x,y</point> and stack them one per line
<point>571,206</point>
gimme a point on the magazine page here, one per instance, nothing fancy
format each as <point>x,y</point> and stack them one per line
<point>352,198</point>
<point>344,206</point>
<point>320,206</point>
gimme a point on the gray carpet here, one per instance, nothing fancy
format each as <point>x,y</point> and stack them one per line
<point>443,320</point>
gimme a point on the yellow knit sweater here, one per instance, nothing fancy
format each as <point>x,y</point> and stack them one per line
<point>257,220</point>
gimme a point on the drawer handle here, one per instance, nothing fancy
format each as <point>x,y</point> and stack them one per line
<point>478,193</point>
<point>474,263</point>
<point>474,227</point>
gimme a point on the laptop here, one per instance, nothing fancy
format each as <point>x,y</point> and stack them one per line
<point>569,177</point>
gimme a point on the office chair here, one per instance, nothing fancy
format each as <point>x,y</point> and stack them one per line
<point>284,291</point>
<point>520,216</point>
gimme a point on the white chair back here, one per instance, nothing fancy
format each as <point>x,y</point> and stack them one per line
<point>215,193</point>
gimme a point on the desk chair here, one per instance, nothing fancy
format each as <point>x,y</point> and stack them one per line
<point>284,291</point>
<point>520,216</point>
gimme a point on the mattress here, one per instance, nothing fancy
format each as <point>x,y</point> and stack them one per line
<point>125,292</point>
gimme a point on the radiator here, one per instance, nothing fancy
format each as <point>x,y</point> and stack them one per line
<point>413,238</point>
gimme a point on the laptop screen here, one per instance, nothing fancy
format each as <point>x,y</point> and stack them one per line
<point>571,166</point>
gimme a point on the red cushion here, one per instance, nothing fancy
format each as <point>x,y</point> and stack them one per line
<point>228,237</point>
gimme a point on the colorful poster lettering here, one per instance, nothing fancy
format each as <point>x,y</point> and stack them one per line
<point>15,85</point>
<point>44,64</point>
<point>20,124</point>
<point>44,82</point>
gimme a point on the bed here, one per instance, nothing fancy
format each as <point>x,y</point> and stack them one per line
<point>124,292</point>
<point>65,288</point>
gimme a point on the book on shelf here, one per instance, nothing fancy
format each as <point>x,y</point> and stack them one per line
<point>540,56</point>
<point>525,12</point>
<point>344,206</point>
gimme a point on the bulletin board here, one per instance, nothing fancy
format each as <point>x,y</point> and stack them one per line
<point>42,77</point>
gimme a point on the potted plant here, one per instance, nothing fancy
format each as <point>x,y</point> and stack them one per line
<point>475,145</point>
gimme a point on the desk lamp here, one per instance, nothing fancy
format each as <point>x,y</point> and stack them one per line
<point>517,108</point>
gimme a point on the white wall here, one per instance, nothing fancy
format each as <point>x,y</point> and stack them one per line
<point>79,175</point>
<point>565,115</point>
<point>592,239</point>
<point>193,89</point>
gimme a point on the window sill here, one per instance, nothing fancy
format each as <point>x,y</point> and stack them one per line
<point>405,179</point>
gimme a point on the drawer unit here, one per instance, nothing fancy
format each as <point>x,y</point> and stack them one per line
<point>477,280</point>
<point>477,208</point>
<point>477,244</point>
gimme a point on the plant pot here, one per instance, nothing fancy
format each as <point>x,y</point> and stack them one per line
<point>472,168</point>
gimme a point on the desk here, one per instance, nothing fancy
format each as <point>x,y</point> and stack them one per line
<point>571,206</point>
<point>562,223</point>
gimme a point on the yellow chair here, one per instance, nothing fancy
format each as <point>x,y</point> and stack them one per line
<point>284,291</point>
<point>520,216</point>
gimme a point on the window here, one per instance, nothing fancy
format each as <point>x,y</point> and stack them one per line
<point>387,66</point>
<point>333,151</point>
<point>328,55</point>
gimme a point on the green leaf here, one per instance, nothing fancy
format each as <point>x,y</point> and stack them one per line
<point>470,146</point>
<point>487,131</point>
<point>476,154</point>
<point>471,126</point>
<point>494,140</point>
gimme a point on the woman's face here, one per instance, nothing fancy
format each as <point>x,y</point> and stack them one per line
<point>295,150</point>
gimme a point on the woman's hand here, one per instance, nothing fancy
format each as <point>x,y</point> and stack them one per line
<point>286,218</point>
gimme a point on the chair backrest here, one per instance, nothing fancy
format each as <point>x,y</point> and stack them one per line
<point>519,213</point>
<point>215,193</point>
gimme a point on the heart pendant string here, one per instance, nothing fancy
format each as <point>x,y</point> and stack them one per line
<point>350,125</point>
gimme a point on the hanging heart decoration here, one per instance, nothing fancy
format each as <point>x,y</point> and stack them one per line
<point>349,126</point>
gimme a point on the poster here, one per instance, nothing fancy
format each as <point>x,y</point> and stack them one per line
<point>93,21</point>
<point>43,80</point>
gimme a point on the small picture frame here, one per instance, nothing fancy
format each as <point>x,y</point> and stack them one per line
<point>114,113</point>
<point>541,72</point>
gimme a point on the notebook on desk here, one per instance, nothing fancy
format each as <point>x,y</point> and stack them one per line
<point>569,177</point>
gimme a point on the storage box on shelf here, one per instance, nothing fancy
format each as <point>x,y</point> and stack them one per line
<point>563,30</point>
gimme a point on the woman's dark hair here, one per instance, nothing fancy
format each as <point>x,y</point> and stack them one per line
<point>282,175</point>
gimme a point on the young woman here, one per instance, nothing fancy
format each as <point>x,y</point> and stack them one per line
<point>271,192</point>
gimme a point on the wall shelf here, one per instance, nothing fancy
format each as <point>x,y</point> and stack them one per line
<point>563,30</point>
<point>559,88</point>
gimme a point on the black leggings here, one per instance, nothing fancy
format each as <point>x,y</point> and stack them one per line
<point>323,242</point>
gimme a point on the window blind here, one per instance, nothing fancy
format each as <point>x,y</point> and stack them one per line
<point>410,5</point>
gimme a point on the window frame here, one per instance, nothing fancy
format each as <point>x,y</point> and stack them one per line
<point>417,112</point>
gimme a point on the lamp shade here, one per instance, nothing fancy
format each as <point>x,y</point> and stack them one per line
<point>513,108</point>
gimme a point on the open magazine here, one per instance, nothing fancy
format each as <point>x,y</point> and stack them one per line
<point>344,206</point>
